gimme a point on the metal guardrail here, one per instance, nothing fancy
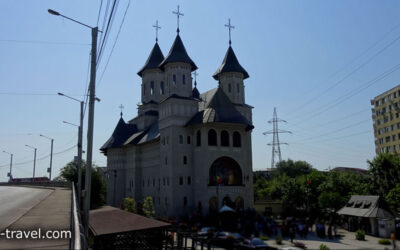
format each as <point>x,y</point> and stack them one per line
<point>77,241</point>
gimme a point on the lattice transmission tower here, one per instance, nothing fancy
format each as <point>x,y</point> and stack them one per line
<point>276,148</point>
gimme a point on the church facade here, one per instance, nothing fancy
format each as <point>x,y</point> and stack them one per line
<point>188,151</point>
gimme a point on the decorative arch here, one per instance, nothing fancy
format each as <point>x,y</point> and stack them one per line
<point>237,140</point>
<point>227,171</point>
<point>224,138</point>
<point>212,137</point>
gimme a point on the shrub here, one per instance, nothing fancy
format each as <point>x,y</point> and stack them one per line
<point>323,247</point>
<point>384,242</point>
<point>129,205</point>
<point>264,237</point>
<point>278,240</point>
<point>360,235</point>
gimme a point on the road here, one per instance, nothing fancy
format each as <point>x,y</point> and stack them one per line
<point>16,201</point>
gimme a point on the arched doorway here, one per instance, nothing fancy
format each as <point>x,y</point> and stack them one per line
<point>225,171</point>
<point>228,202</point>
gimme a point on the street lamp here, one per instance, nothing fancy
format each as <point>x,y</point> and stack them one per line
<point>92,96</point>
<point>80,131</point>
<point>9,173</point>
<point>51,155</point>
<point>34,160</point>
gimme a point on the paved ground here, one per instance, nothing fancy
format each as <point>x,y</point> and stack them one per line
<point>51,213</point>
<point>16,201</point>
<point>347,241</point>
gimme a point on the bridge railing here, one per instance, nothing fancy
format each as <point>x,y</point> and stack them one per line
<point>78,240</point>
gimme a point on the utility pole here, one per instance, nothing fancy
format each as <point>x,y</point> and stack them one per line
<point>10,173</point>
<point>276,148</point>
<point>51,155</point>
<point>34,159</point>
<point>92,87</point>
<point>80,137</point>
<point>92,98</point>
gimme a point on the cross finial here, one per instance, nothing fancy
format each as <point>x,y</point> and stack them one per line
<point>230,27</point>
<point>195,78</point>
<point>157,28</point>
<point>177,13</point>
<point>121,107</point>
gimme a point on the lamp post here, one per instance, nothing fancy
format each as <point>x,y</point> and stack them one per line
<point>80,131</point>
<point>51,155</point>
<point>92,96</point>
<point>34,159</point>
<point>9,173</point>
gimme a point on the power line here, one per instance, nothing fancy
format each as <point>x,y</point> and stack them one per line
<point>349,74</point>
<point>43,42</point>
<point>351,93</point>
<point>40,159</point>
<point>107,31</point>
<point>32,94</point>
<point>336,138</point>
<point>337,130</point>
<point>115,42</point>
<point>98,16</point>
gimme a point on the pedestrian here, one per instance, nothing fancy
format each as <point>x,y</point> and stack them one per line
<point>393,238</point>
<point>292,232</point>
<point>330,232</point>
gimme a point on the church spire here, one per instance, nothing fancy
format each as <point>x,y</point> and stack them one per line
<point>229,26</point>
<point>155,57</point>
<point>157,28</point>
<point>177,13</point>
<point>230,62</point>
<point>121,107</point>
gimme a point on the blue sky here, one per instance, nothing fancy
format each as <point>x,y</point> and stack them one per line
<point>302,57</point>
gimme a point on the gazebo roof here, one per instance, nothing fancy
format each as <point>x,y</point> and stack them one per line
<point>370,206</point>
<point>110,220</point>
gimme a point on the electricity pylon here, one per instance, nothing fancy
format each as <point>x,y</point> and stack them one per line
<point>276,148</point>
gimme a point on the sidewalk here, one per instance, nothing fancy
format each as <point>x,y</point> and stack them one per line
<point>52,213</point>
<point>347,241</point>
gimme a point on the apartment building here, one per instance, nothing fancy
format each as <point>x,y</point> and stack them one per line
<point>386,119</point>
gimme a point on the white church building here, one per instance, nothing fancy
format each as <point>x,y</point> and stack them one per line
<point>184,149</point>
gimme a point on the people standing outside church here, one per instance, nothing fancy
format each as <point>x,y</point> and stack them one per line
<point>292,232</point>
<point>393,238</point>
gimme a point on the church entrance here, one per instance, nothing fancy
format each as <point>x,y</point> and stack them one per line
<point>225,171</point>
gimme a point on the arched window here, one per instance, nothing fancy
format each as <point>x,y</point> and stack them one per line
<point>224,138</point>
<point>212,138</point>
<point>183,79</point>
<point>185,160</point>
<point>229,88</point>
<point>225,171</point>
<point>189,180</point>
<point>237,141</point>
<point>151,88</point>
<point>185,201</point>
<point>162,88</point>
<point>174,79</point>
<point>237,88</point>
<point>198,139</point>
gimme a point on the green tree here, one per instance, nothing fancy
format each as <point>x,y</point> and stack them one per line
<point>130,205</point>
<point>293,168</point>
<point>148,207</point>
<point>385,171</point>
<point>393,198</point>
<point>331,200</point>
<point>98,185</point>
